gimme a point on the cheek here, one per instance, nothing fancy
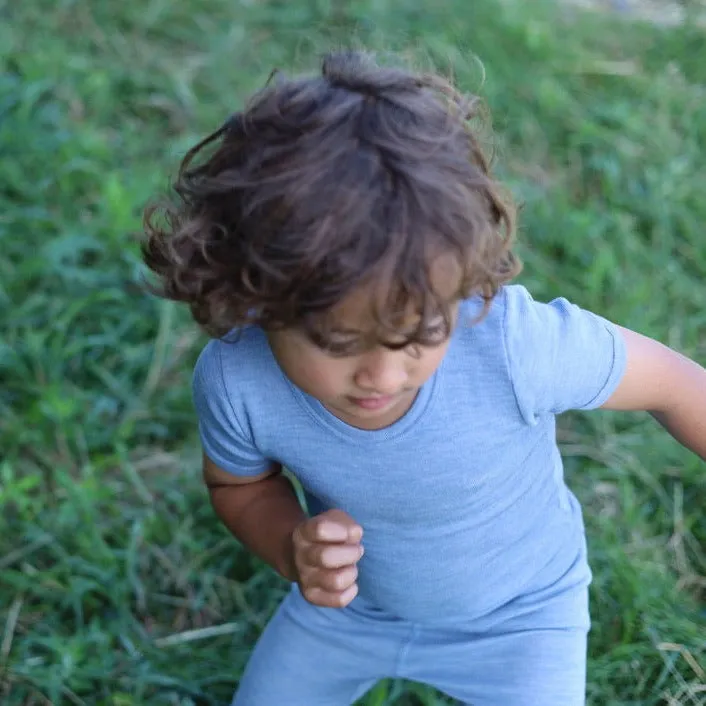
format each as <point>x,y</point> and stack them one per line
<point>314,373</point>
<point>430,361</point>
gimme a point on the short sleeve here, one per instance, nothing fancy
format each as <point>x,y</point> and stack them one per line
<point>222,435</point>
<point>561,357</point>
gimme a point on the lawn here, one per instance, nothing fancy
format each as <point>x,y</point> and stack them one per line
<point>117,585</point>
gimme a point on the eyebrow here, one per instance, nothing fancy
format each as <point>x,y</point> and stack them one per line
<point>344,332</point>
<point>352,332</point>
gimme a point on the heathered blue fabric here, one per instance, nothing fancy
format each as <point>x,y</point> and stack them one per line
<point>462,501</point>
<point>313,656</point>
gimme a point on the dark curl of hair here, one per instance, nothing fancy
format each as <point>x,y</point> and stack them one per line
<point>361,174</point>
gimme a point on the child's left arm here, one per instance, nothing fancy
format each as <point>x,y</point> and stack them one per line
<point>671,387</point>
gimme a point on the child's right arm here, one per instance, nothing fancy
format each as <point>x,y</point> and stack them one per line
<point>264,514</point>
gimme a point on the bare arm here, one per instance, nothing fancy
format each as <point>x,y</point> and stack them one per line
<point>262,512</point>
<point>671,387</point>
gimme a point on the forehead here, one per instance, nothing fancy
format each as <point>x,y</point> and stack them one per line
<point>357,311</point>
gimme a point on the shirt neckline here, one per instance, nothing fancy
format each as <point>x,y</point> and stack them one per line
<point>404,424</point>
<point>329,421</point>
<point>421,407</point>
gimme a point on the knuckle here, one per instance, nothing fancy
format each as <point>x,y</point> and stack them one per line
<point>345,598</point>
<point>342,580</point>
<point>306,577</point>
<point>332,581</point>
<point>306,529</point>
<point>301,569</point>
<point>353,593</point>
<point>325,557</point>
<point>307,554</point>
<point>300,557</point>
<point>298,540</point>
<point>314,555</point>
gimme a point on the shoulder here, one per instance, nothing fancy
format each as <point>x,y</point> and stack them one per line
<point>477,343</point>
<point>237,380</point>
<point>241,360</point>
<point>510,300</point>
<point>518,309</point>
<point>475,367</point>
<point>560,355</point>
<point>522,319</point>
<point>241,351</point>
<point>511,303</point>
<point>225,395</point>
<point>537,332</point>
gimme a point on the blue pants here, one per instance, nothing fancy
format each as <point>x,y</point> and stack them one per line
<point>522,656</point>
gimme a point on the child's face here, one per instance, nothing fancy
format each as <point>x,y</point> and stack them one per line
<point>366,386</point>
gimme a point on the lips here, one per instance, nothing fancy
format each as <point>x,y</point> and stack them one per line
<point>372,403</point>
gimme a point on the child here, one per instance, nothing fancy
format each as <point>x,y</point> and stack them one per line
<point>346,230</point>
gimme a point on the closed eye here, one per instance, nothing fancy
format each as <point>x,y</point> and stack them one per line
<point>436,333</point>
<point>337,347</point>
<point>342,346</point>
<point>431,336</point>
<point>343,349</point>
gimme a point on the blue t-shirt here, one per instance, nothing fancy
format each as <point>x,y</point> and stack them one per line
<point>462,501</point>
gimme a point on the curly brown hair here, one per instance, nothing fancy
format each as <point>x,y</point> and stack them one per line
<point>363,174</point>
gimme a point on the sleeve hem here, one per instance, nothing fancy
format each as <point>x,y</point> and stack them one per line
<point>232,468</point>
<point>616,372</point>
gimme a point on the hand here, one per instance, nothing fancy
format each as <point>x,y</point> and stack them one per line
<point>326,550</point>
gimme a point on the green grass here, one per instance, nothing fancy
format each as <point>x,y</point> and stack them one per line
<point>109,552</point>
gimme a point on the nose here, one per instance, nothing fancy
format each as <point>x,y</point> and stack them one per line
<point>382,372</point>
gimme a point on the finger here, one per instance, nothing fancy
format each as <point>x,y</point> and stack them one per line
<point>354,530</point>
<point>334,580</point>
<point>333,526</point>
<point>327,599</point>
<point>320,529</point>
<point>332,556</point>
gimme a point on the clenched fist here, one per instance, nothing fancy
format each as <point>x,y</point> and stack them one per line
<point>326,550</point>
